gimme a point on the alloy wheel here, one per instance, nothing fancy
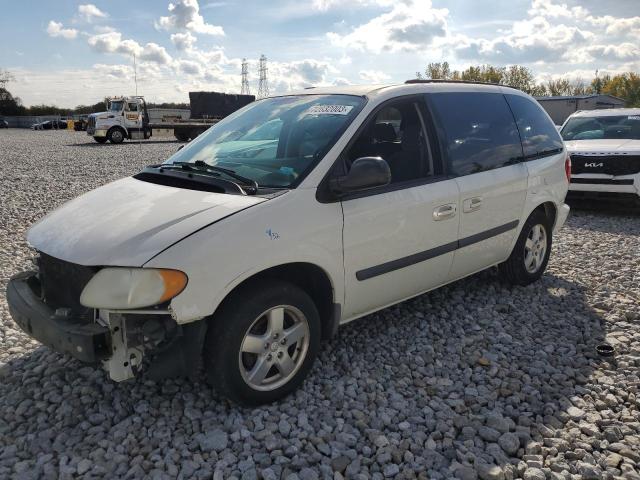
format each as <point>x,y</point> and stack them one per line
<point>274,348</point>
<point>535,248</point>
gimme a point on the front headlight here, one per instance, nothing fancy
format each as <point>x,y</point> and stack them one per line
<point>124,288</point>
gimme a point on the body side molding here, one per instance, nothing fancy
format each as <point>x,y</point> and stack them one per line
<point>409,260</point>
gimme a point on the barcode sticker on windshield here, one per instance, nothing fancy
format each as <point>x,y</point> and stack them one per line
<point>633,117</point>
<point>330,110</point>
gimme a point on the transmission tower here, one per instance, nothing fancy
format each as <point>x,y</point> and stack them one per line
<point>244,89</point>
<point>263,85</point>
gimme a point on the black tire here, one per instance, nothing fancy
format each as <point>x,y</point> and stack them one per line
<point>226,333</point>
<point>115,135</point>
<point>100,139</point>
<point>514,270</point>
<point>181,134</point>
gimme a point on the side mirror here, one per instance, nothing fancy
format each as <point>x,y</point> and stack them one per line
<point>365,173</point>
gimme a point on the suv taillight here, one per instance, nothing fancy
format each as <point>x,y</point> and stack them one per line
<point>567,167</point>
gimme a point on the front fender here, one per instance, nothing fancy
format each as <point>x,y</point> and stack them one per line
<point>292,228</point>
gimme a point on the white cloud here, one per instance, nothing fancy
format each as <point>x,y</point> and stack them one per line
<point>103,29</point>
<point>112,42</point>
<point>324,5</point>
<point>114,71</point>
<point>183,41</point>
<point>623,51</point>
<point>185,15</point>
<point>88,12</point>
<point>409,25</point>
<point>546,8</point>
<point>155,53</point>
<point>341,81</point>
<point>190,67</point>
<point>528,41</point>
<point>56,29</point>
<point>373,76</point>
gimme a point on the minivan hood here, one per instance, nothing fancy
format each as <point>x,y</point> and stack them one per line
<point>603,146</point>
<point>127,222</point>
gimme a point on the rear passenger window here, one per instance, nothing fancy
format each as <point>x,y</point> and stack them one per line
<point>539,135</point>
<point>479,129</point>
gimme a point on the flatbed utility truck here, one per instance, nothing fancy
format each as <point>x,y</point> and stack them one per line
<point>128,117</point>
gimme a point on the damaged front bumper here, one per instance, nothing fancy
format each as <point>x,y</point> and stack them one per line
<point>126,342</point>
<point>87,342</point>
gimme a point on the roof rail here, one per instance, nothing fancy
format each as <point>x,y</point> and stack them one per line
<point>441,80</point>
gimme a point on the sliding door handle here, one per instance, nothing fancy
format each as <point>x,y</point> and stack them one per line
<point>471,204</point>
<point>445,211</point>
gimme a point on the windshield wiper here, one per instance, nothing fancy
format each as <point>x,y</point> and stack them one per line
<point>200,165</point>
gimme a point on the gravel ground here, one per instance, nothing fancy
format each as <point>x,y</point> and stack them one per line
<point>475,380</point>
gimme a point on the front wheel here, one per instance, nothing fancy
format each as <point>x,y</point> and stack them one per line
<point>262,343</point>
<point>530,255</point>
<point>115,135</point>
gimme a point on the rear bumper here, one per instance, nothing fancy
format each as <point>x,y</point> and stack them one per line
<point>561,216</point>
<point>88,342</point>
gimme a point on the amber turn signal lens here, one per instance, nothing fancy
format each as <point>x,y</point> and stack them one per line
<point>174,283</point>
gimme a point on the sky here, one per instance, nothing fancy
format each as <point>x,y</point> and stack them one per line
<point>69,53</point>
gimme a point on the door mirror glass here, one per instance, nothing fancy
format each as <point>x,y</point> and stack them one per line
<point>365,173</point>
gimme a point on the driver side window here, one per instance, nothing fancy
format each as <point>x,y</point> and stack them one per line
<point>397,134</point>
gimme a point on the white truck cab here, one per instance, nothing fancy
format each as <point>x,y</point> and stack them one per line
<point>292,216</point>
<point>125,118</point>
<point>605,152</point>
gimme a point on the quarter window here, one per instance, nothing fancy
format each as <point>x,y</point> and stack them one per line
<point>397,134</point>
<point>480,133</point>
<point>539,135</point>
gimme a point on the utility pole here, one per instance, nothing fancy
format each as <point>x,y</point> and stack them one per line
<point>263,84</point>
<point>244,89</point>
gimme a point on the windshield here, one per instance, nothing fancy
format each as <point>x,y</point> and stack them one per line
<point>598,128</point>
<point>275,141</point>
<point>115,106</point>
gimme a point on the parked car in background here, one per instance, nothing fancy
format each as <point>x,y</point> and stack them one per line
<point>4,123</point>
<point>605,152</point>
<point>289,218</point>
<point>50,125</point>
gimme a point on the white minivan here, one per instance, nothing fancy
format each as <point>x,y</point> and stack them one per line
<point>289,218</point>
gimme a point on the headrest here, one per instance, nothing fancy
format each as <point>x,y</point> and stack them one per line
<point>384,132</point>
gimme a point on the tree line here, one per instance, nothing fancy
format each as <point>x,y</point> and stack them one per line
<point>624,85</point>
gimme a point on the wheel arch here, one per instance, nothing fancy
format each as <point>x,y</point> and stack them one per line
<point>548,207</point>
<point>311,278</point>
<point>118,127</point>
<point>550,210</point>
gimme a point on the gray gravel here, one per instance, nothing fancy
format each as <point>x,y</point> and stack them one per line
<point>475,380</point>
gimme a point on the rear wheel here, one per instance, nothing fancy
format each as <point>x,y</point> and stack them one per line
<point>262,343</point>
<point>530,255</point>
<point>115,135</point>
<point>100,139</point>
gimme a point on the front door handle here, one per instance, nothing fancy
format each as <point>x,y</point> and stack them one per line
<point>445,211</point>
<point>471,204</point>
